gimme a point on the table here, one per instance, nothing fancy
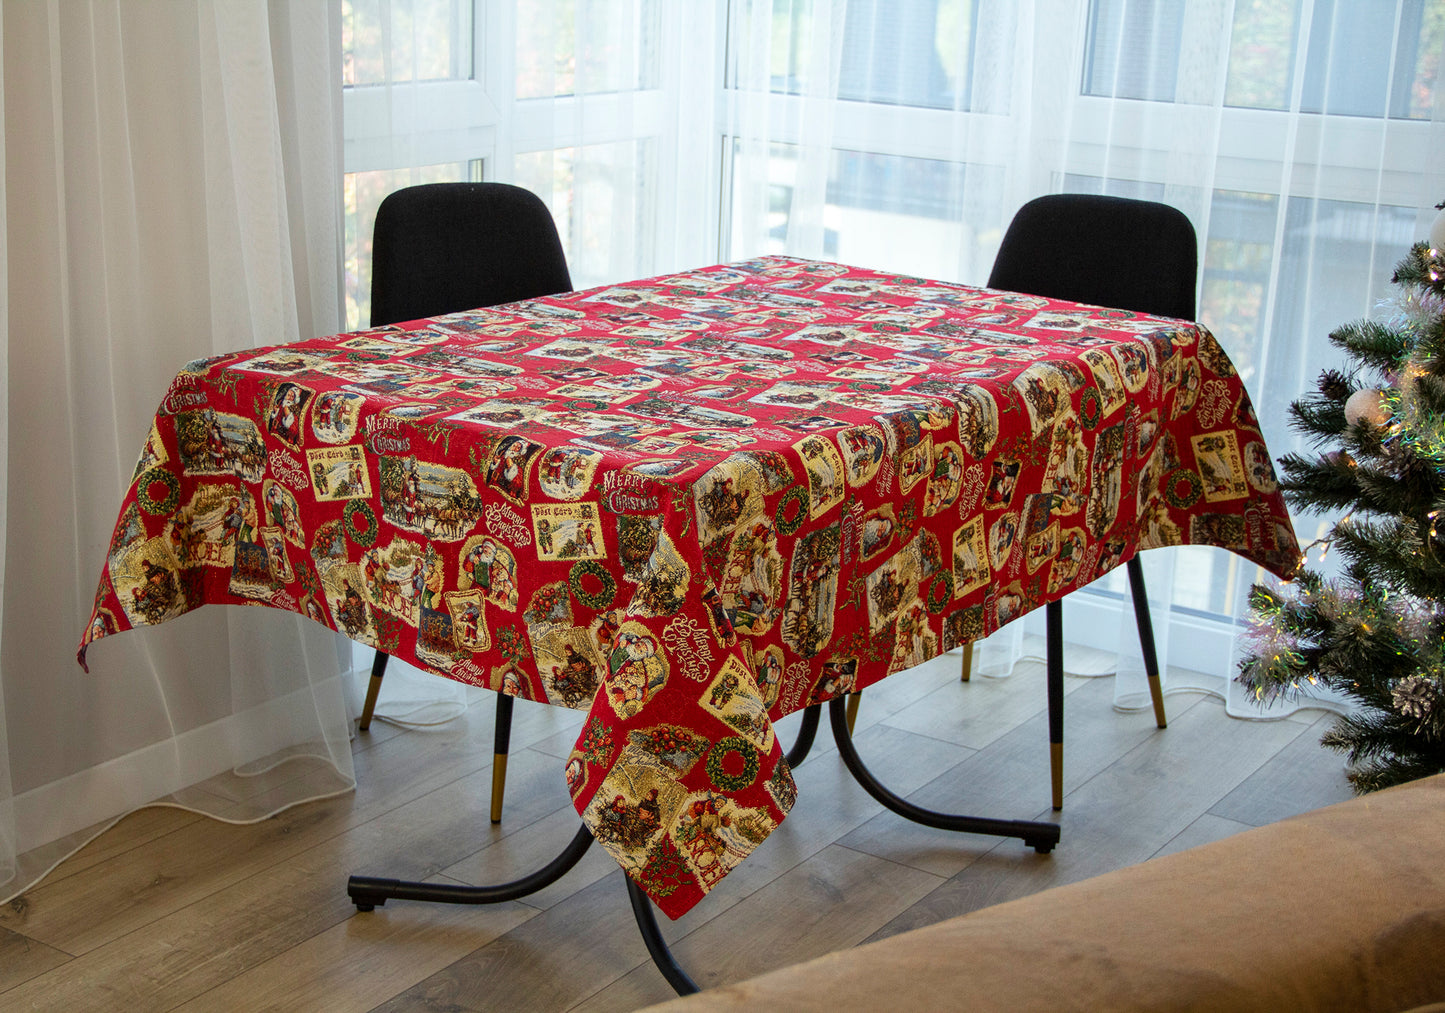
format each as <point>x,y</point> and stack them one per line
<point>690,505</point>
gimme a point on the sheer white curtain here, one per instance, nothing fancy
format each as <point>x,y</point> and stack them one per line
<point>170,189</point>
<point>1303,138</point>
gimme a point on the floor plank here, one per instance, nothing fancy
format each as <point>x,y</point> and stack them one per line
<point>1120,816</point>
<point>135,830</point>
<point>833,900</point>
<point>551,962</point>
<point>360,961</point>
<point>1302,777</point>
<point>1204,830</point>
<point>245,923</point>
<point>1010,777</point>
<point>977,712</point>
<point>22,958</point>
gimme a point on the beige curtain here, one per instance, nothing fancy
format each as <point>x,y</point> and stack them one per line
<point>170,190</point>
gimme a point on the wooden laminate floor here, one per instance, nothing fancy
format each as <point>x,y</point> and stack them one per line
<point>173,911</point>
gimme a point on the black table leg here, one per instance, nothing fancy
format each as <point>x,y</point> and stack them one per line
<point>366,892</point>
<point>1040,836</point>
<point>1054,624</point>
<point>807,730</point>
<point>656,945</point>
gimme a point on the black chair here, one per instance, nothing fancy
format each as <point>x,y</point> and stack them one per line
<point>1106,251</point>
<point>444,247</point>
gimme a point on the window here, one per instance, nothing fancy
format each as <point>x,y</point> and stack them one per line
<point>550,95</point>
<point>895,52</point>
<point>427,40</point>
<point>586,47</point>
<point>1360,57</point>
<point>1130,43</point>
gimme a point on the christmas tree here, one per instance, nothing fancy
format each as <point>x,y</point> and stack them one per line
<point>1376,631</point>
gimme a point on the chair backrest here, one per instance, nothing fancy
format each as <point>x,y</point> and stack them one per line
<point>1109,251</point>
<point>444,247</point>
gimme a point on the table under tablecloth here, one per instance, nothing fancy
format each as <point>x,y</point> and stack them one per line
<point>690,505</point>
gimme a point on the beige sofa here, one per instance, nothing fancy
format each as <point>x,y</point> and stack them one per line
<point>1342,908</point>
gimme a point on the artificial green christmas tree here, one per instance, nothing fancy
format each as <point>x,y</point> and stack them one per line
<point>1375,632</point>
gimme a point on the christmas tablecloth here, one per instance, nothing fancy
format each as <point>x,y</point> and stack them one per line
<point>691,505</point>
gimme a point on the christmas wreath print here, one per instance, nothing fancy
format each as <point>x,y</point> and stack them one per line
<point>940,593</point>
<point>717,772</point>
<point>361,523</point>
<point>1183,488</point>
<point>792,508</point>
<point>145,492</point>
<point>607,587</point>
<point>1090,407</point>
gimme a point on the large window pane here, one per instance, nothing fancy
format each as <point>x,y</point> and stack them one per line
<point>1336,259</point>
<point>894,52</point>
<point>1352,54</point>
<point>599,196</point>
<point>1362,58</point>
<point>1261,54</point>
<point>913,215</point>
<point>907,52</point>
<point>1133,49</point>
<point>405,40</point>
<point>362,194</point>
<point>579,47</point>
<point>1422,56</point>
<point>1237,258</point>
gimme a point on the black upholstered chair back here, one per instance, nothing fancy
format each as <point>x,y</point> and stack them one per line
<point>444,247</point>
<point>1107,251</point>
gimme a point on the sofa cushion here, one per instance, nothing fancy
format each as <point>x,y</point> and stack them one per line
<point>1342,908</point>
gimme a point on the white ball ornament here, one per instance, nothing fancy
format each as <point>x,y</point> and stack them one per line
<point>1366,406</point>
<point>1437,233</point>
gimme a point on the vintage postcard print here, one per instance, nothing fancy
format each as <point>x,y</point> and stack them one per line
<point>334,416</point>
<point>215,443</point>
<point>285,417</point>
<point>970,559</point>
<point>567,531</point>
<point>488,565</point>
<point>339,473</point>
<point>566,472</point>
<point>1217,457</point>
<point>824,466</point>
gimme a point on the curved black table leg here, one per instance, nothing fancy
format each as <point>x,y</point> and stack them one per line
<point>807,731</point>
<point>366,892</point>
<point>656,945</point>
<point>1040,836</point>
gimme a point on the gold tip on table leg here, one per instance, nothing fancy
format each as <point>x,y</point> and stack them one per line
<point>852,715</point>
<point>499,784</point>
<point>1056,771</point>
<point>372,689</point>
<point>1156,693</point>
<point>967,660</point>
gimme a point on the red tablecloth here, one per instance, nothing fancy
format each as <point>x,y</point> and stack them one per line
<point>690,505</point>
